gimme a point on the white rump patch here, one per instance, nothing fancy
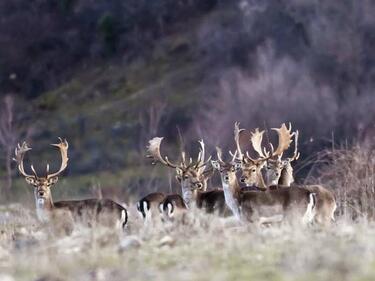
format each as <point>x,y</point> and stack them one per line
<point>309,215</point>
<point>148,215</point>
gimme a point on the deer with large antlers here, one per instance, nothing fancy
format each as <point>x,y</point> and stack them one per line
<point>92,209</point>
<point>193,177</point>
<point>262,207</point>
<point>251,167</point>
<point>279,172</point>
<point>275,164</point>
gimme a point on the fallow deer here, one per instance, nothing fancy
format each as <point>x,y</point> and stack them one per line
<point>91,209</point>
<point>251,168</point>
<point>262,207</point>
<point>275,165</point>
<point>171,205</point>
<point>192,177</point>
<point>148,204</point>
<point>280,173</point>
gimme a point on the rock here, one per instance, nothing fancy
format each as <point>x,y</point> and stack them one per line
<point>129,242</point>
<point>167,241</point>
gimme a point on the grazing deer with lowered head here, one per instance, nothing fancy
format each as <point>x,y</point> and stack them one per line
<point>93,209</point>
<point>262,207</point>
<point>171,206</point>
<point>192,177</point>
<point>279,172</point>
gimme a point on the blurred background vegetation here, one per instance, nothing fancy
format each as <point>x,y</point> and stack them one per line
<point>110,74</point>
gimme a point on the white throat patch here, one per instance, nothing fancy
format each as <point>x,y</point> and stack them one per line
<point>42,213</point>
<point>231,201</point>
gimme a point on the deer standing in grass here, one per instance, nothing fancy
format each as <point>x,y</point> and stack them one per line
<point>262,207</point>
<point>193,177</point>
<point>279,172</point>
<point>99,210</point>
<point>251,167</point>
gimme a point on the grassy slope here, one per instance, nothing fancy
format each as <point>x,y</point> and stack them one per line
<point>98,112</point>
<point>201,249</point>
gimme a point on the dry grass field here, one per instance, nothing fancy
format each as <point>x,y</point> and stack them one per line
<point>199,247</point>
<point>204,248</point>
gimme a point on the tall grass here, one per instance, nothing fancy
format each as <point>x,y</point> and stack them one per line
<point>206,247</point>
<point>351,174</point>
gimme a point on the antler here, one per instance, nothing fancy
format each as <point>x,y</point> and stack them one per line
<point>63,146</point>
<point>256,141</point>
<point>201,163</point>
<point>19,153</point>
<point>285,139</point>
<point>154,153</point>
<point>237,132</point>
<point>219,154</point>
<point>296,154</point>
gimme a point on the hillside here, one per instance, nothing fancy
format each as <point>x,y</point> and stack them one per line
<point>192,67</point>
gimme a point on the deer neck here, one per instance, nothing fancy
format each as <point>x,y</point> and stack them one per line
<point>188,195</point>
<point>205,185</point>
<point>44,208</point>
<point>286,177</point>
<point>260,181</point>
<point>232,196</point>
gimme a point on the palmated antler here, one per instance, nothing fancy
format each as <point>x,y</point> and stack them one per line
<point>285,139</point>
<point>296,154</point>
<point>19,153</point>
<point>237,132</point>
<point>256,141</point>
<point>154,153</point>
<point>63,147</point>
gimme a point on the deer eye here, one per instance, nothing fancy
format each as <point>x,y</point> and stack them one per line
<point>186,177</point>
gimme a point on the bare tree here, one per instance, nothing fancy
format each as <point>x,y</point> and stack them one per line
<point>7,136</point>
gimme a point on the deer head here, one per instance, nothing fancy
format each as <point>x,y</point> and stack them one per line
<point>276,166</point>
<point>227,169</point>
<point>192,175</point>
<point>42,184</point>
<point>251,168</point>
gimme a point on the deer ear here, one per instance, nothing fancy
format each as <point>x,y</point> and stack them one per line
<point>30,180</point>
<point>53,180</point>
<point>215,164</point>
<point>237,166</point>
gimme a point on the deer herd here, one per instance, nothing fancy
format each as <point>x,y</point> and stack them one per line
<point>264,194</point>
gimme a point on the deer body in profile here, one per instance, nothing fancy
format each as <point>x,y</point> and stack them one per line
<point>80,210</point>
<point>262,207</point>
<point>279,172</point>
